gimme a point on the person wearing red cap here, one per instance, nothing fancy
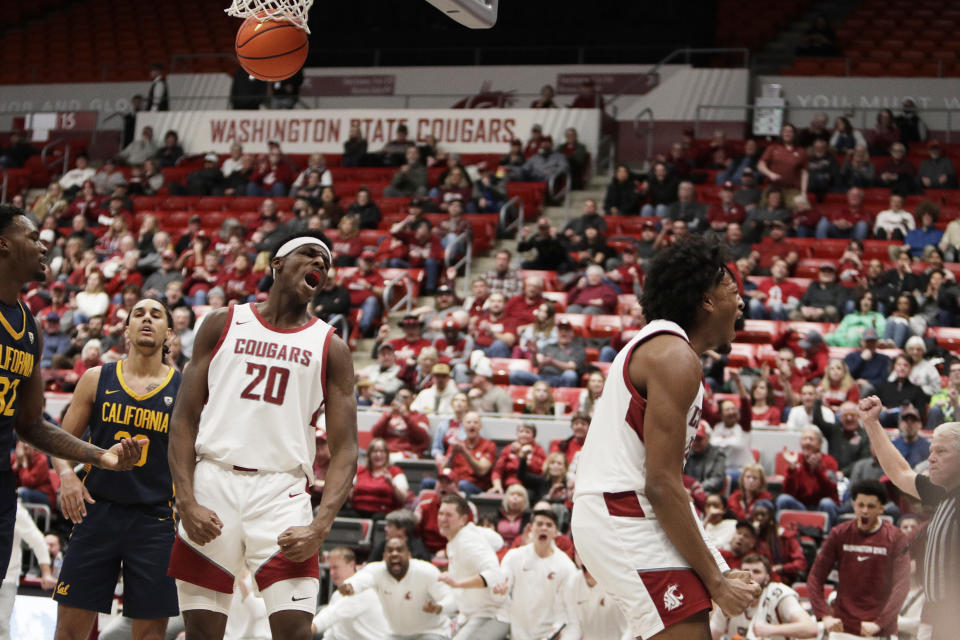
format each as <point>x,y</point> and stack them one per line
<point>455,346</point>
<point>429,507</point>
<point>937,172</point>
<point>721,214</point>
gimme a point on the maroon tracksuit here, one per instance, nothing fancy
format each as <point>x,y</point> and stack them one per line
<point>874,570</point>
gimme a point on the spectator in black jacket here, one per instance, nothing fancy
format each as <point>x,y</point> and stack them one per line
<point>824,299</point>
<point>901,277</point>
<point>514,160</point>
<point>15,155</point>
<point>354,148</point>
<point>366,210</point>
<point>171,150</point>
<point>661,190</point>
<point>207,181</point>
<point>550,246</point>
<point>622,198</point>
<point>898,391</point>
<point>331,300</point>
<point>236,183</point>
<point>822,169</point>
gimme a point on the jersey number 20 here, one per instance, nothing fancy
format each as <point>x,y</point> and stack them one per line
<point>275,388</point>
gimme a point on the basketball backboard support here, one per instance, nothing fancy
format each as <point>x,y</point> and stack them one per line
<point>475,14</point>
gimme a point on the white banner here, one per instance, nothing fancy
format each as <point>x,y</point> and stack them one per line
<point>863,97</point>
<point>325,130</point>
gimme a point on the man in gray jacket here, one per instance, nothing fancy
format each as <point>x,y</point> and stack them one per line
<point>706,463</point>
<point>410,179</point>
<point>546,163</point>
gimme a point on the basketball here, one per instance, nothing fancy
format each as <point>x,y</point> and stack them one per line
<point>271,50</point>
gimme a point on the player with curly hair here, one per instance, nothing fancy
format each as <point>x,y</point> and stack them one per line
<point>635,526</point>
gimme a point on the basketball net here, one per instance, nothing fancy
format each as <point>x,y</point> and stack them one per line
<point>293,10</point>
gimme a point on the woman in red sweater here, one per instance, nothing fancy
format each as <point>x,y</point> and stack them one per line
<point>33,475</point>
<point>753,487</point>
<point>838,386</point>
<point>380,487</point>
<point>505,471</point>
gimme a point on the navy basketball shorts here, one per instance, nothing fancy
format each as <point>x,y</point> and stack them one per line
<point>114,538</point>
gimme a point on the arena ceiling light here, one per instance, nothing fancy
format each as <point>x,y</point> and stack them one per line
<point>475,14</point>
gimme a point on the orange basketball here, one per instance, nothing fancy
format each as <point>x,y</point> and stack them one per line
<point>271,50</point>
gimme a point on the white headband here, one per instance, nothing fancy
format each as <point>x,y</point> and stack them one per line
<point>292,245</point>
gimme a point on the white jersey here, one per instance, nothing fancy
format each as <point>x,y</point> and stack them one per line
<point>613,458</point>
<point>591,613</point>
<point>536,591</point>
<point>769,610</point>
<point>472,552</point>
<point>403,600</point>
<point>266,386</point>
<point>357,617</point>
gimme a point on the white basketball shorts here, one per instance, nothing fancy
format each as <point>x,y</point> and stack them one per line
<point>255,507</point>
<point>634,561</point>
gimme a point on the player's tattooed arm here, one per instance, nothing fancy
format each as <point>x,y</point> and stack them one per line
<point>51,439</point>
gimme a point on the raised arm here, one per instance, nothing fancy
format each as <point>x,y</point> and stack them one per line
<point>669,395</point>
<point>202,524</point>
<point>893,464</point>
<point>799,623</point>
<point>73,494</point>
<point>54,441</point>
<point>300,543</point>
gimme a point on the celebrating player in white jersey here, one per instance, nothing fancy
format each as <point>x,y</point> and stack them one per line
<point>776,614</point>
<point>536,574</point>
<point>242,445</point>
<point>634,525</point>
<point>416,604</point>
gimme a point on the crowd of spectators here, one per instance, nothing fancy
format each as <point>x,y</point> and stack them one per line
<point>863,325</point>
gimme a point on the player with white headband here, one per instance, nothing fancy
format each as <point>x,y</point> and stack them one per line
<point>242,444</point>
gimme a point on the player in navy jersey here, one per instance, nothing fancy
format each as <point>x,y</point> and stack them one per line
<point>23,260</point>
<point>122,522</point>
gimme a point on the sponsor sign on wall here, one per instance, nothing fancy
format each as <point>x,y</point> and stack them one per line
<point>325,130</point>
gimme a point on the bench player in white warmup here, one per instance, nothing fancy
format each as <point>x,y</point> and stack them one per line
<point>776,614</point>
<point>242,445</point>
<point>633,522</point>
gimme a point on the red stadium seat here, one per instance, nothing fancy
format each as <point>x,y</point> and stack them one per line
<point>759,331</point>
<point>604,326</point>
<point>742,355</point>
<point>569,396</point>
<point>558,298</point>
<point>816,519</point>
<point>550,282</point>
<point>503,366</point>
<point>625,302</point>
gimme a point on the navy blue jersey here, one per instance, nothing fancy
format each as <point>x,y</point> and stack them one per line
<point>120,413</point>
<point>19,354</point>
